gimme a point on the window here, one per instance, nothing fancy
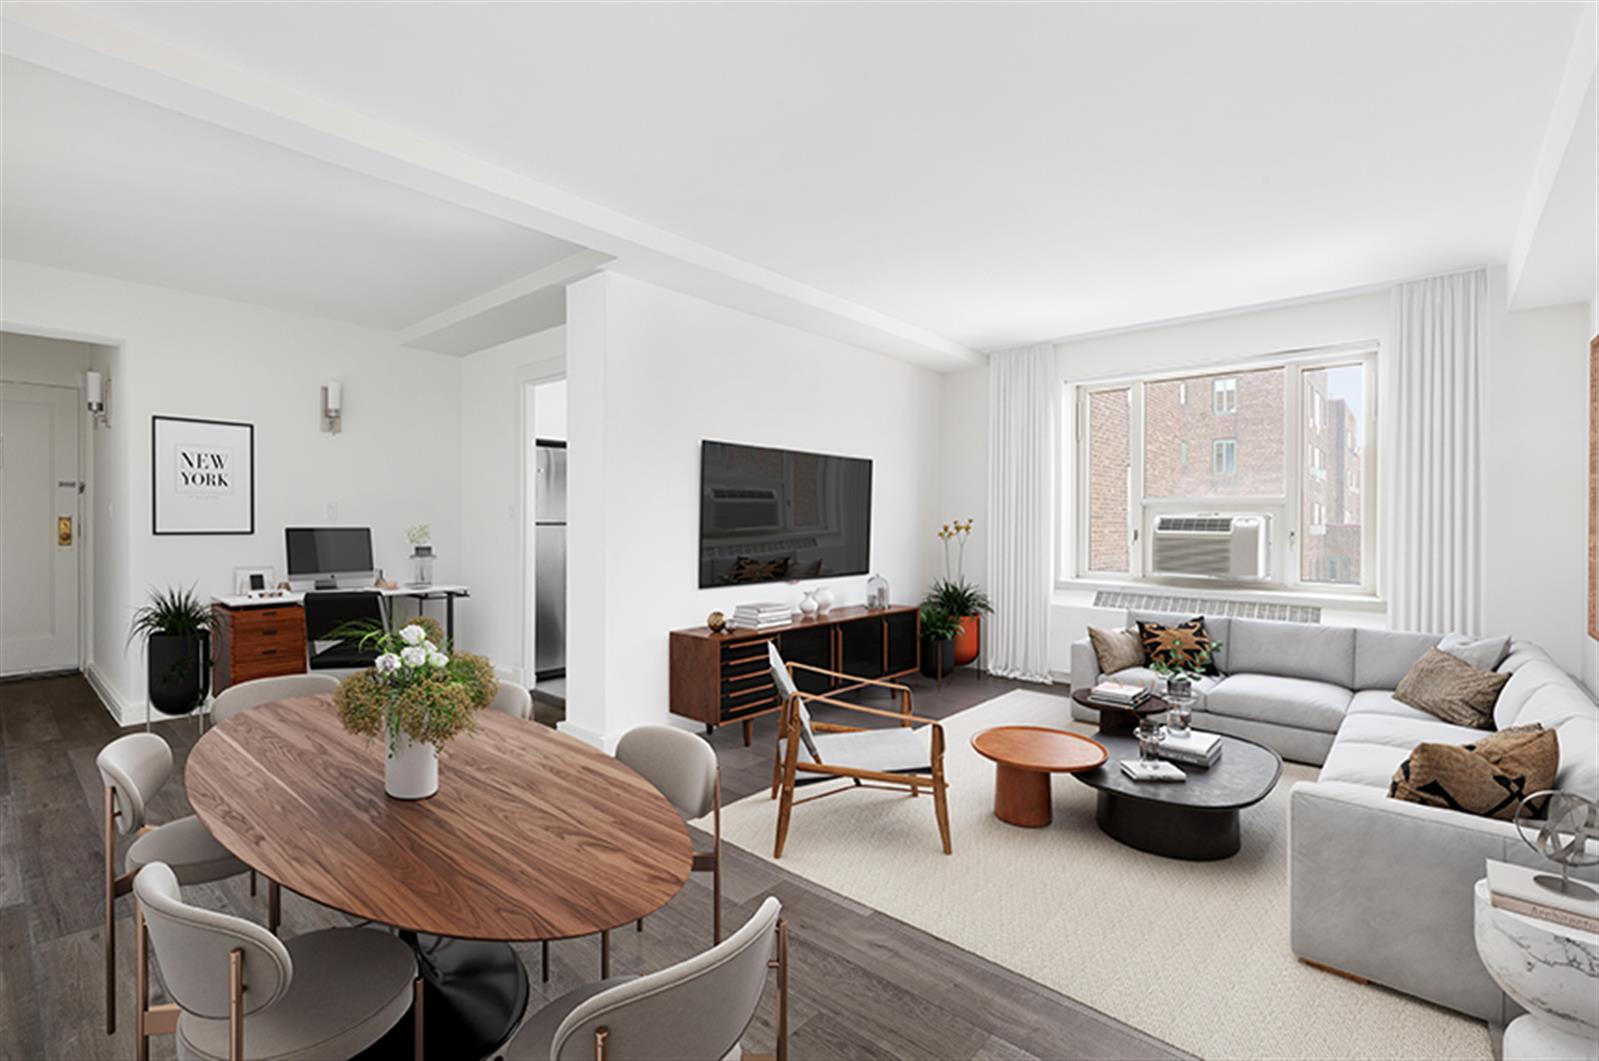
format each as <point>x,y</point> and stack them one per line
<point>1286,440</point>
<point>1224,397</point>
<point>1224,457</point>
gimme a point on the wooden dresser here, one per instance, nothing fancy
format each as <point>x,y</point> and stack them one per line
<point>721,678</point>
<point>258,641</point>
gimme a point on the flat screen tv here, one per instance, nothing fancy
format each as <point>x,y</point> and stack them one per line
<point>777,515</point>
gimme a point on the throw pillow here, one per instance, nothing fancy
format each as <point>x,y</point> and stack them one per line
<point>1186,645</point>
<point>1452,689</point>
<point>1488,777</point>
<point>1117,649</point>
<point>1487,652</point>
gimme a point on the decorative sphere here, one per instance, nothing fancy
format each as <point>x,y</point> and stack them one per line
<point>1569,824</point>
<point>716,621</point>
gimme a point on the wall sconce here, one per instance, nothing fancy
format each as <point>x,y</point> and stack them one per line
<point>96,390</point>
<point>332,406</point>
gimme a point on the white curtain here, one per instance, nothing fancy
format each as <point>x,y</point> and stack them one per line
<point>1024,394</point>
<point>1432,522</point>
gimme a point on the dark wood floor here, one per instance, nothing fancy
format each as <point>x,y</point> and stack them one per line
<point>863,984</point>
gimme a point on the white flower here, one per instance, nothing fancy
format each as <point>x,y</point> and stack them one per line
<point>387,663</point>
<point>429,647</point>
<point>438,659</point>
<point>413,634</point>
<point>414,656</point>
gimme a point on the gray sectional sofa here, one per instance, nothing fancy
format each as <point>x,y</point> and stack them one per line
<point>1379,888</point>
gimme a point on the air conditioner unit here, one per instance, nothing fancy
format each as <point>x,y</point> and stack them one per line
<point>1237,548</point>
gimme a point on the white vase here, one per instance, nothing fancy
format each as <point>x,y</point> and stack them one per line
<point>808,604</point>
<point>412,768</point>
<point>824,600</point>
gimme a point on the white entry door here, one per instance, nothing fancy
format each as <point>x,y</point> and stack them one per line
<point>39,532</point>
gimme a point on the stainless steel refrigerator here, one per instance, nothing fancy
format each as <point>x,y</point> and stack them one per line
<point>549,559</point>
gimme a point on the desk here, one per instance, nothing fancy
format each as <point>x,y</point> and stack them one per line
<point>533,835</point>
<point>447,592</point>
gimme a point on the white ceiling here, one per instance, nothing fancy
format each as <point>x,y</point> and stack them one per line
<point>95,181</point>
<point>991,173</point>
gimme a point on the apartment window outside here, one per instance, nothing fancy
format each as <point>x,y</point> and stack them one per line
<point>1224,397</point>
<point>1285,440</point>
<point>1224,458</point>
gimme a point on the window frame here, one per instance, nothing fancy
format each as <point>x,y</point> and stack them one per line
<point>1290,523</point>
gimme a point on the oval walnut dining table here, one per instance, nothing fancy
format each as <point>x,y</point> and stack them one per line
<point>532,835</point>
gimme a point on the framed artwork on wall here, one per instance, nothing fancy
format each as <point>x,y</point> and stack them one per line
<point>202,476</point>
<point>1593,488</point>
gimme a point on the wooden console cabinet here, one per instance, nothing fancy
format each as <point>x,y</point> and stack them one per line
<point>721,678</point>
<point>261,641</point>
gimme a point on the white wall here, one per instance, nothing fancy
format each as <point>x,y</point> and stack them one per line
<point>963,464</point>
<point>1535,481</point>
<point>1590,659</point>
<point>396,463</point>
<point>493,496</point>
<point>650,373</point>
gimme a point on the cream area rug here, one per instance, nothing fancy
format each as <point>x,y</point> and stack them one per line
<point>1195,953</point>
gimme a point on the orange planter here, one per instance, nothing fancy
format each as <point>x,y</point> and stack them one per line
<point>970,640</point>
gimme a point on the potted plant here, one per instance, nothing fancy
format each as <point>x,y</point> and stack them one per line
<point>417,696</point>
<point>953,594</point>
<point>176,630</point>
<point>939,631</point>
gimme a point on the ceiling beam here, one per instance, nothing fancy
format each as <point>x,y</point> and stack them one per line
<point>571,268</point>
<point>69,40</point>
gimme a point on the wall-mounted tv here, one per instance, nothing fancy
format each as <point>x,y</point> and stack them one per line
<point>777,515</point>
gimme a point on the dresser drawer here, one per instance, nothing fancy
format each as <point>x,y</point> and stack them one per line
<point>249,670</point>
<point>265,621</point>
<point>249,647</point>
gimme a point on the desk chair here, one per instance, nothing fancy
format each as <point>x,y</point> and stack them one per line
<point>133,769</point>
<point>326,611</point>
<point>241,992</point>
<point>698,1008</point>
<point>895,757</point>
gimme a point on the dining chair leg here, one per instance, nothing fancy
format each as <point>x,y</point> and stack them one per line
<point>605,955</point>
<point>236,1004</point>
<point>418,1039</point>
<point>110,839</point>
<point>780,962</point>
<point>274,906</point>
<point>641,924</point>
<point>716,864</point>
<point>252,884</point>
<point>544,959</point>
<point>141,983</point>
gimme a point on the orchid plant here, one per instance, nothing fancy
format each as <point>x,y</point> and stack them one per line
<point>953,593</point>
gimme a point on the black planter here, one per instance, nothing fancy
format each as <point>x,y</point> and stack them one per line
<point>177,670</point>
<point>938,657</point>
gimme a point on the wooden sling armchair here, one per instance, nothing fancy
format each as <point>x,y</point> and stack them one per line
<point>895,757</point>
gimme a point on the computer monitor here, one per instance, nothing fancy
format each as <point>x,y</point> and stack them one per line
<point>325,553</point>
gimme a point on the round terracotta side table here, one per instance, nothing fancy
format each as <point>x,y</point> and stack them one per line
<point>1024,757</point>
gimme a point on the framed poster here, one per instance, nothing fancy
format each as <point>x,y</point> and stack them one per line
<point>202,476</point>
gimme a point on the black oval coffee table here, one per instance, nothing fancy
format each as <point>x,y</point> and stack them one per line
<point>1195,819</point>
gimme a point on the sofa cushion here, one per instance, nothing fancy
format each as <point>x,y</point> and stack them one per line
<point>1489,777</point>
<point>1183,646</point>
<point>1579,756</point>
<point>1362,764</point>
<point>1521,653</point>
<point>1382,702</point>
<point>1116,649</point>
<point>1217,627</point>
<point>1284,701</point>
<point>1449,687</point>
<point>1404,733</point>
<point>1293,650</point>
<point>1530,676</point>
<point>1384,657</point>
<point>1550,705</point>
<point>1484,652</point>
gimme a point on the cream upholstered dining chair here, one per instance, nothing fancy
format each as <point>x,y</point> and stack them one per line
<point>697,1008</point>
<point>512,700</point>
<point>240,992</point>
<point>684,770</point>
<point>133,769</point>
<point>894,757</point>
<point>245,695</point>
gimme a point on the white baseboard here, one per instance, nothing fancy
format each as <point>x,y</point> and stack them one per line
<point>122,711</point>
<point>588,736</point>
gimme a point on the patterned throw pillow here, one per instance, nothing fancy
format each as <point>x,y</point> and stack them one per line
<point>1116,649</point>
<point>1185,645</point>
<point>1452,689</point>
<point>1488,777</point>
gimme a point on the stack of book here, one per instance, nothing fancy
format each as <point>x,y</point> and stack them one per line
<point>1514,888</point>
<point>1115,694</point>
<point>762,615</point>
<point>1152,771</point>
<point>1192,748</point>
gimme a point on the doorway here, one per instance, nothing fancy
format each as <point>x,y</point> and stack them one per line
<point>40,528</point>
<point>545,417</point>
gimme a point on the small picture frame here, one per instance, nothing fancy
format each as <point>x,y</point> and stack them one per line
<point>248,580</point>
